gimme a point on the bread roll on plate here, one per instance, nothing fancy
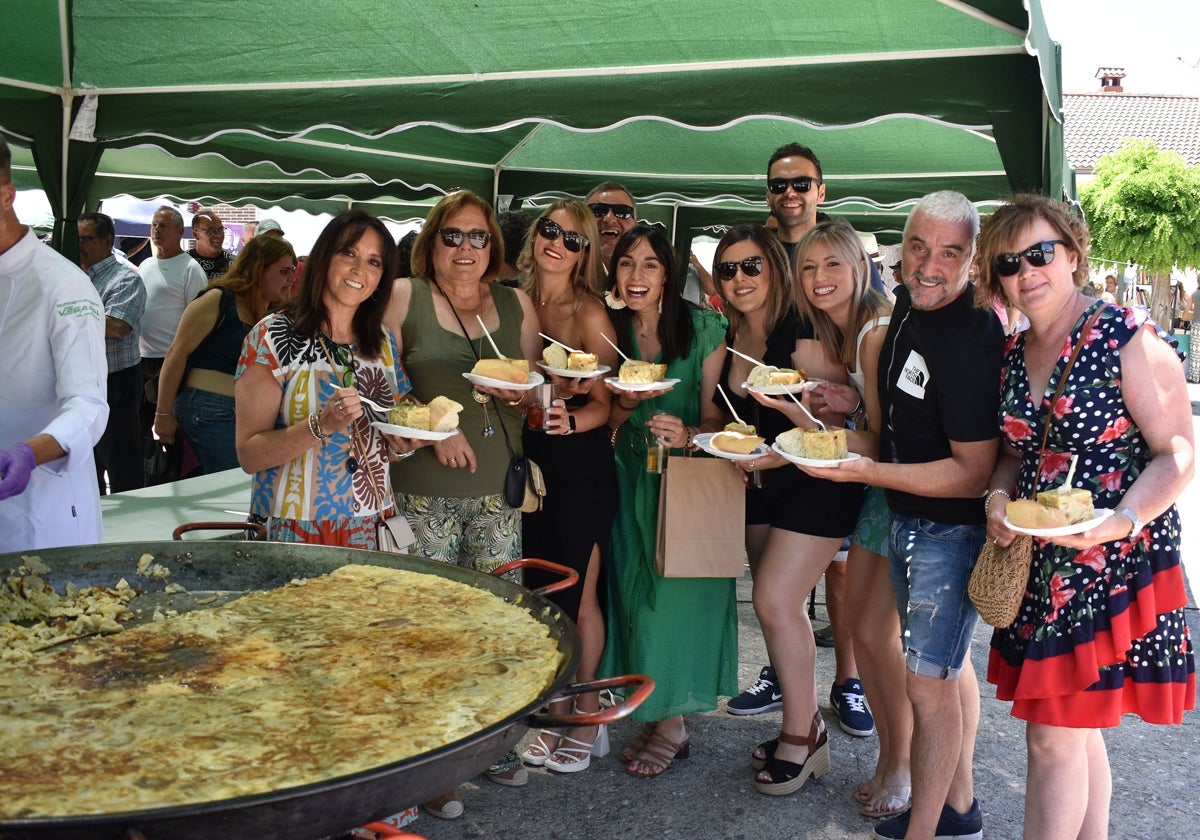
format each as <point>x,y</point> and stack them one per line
<point>735,442</point>
<point>506,370</point>
<point>1026,513</point>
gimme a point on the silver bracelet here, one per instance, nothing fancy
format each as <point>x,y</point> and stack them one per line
<point>987,502</point>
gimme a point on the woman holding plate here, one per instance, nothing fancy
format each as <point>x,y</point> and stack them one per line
<point>452,491</point>
<point>794,523</point>
<point>682,632</point>
<point>561,272</point>
<point>1101,631</point>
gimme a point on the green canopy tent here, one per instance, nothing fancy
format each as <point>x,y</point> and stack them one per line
<point>366,100</point>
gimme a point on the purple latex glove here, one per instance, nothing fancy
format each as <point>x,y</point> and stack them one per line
<point>16,465</point>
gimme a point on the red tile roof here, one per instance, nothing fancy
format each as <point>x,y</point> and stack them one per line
<point>1095,124</point>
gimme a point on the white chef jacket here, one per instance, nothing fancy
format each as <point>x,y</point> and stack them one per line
<point>55,382</point>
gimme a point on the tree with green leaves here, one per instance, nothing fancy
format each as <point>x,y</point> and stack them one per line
<point>1144,207</point>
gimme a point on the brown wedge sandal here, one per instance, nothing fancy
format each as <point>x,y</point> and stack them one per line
<point>659,753</point>
<point>787,776</point>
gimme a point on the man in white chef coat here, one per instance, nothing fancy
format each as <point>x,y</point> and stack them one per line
<point>55,405</point>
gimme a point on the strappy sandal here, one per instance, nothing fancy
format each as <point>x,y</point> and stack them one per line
<point>659,753</point>
<point>768,750</point>
<point>887,802</point>
<point>637,743</point>
<point>540,750</point>
<point>574,755</point>
<point>787,776</point>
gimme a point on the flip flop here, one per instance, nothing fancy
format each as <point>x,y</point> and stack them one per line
<point>888,802</point>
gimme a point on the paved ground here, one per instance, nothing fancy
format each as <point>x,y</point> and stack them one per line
<point>711,794</point>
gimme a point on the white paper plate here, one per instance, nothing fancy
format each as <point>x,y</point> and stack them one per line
<point>641,386</point>
<point>704,441</point>
<point>1064,530</point>
<point>410,432</point>
<point>533,381</point>
<point>815,462</point>
<point>780,390</point>
<point>575,374</point>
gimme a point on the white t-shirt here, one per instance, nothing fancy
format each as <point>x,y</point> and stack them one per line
<point>171,285</point>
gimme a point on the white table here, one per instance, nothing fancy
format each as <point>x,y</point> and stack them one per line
<point>154,512</point>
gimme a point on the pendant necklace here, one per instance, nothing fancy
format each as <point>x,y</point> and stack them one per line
<point>477,395</point>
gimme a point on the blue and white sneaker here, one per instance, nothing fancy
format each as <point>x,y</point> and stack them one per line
<point>951,825</point>
<point>764,696</point>
<point>850,705</point>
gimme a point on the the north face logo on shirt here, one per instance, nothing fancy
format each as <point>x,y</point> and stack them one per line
<point>914,375</point>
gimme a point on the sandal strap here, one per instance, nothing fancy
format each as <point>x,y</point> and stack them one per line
<point>660,750</point>
<point>789,738</point>
<point>578,752</point>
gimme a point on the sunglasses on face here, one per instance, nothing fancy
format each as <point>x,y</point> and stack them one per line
<point>1037,255</point>
<point>551,230</point>
<point>620,211</point>
<point>803,184</point>
<point>751,267</point>
<point>453,237</point>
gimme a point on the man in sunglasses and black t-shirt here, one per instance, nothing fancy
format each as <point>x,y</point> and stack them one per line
<point>615,212</point>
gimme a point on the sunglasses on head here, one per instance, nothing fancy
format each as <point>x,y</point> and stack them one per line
<point>620,211</point>
<point>1037,255</point>
<point>453,237</point>
<point>572,241</point>
<point>751,267</point>
<point>801,185</point>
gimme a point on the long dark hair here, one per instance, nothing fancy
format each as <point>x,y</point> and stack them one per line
<point>307,308</point>
<point>780,297</point>
<point>675,331</point>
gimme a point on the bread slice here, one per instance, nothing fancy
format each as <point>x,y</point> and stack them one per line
<point>1074,502</point>
<point>828,445</point>
<point>443,414</point>
<point>637,371</point>
<point>555,355</point>
<point>582,362</point>
<point>735,442</point>
<point>763,375</point>
<point>506,370</point>
<point>741,428</point>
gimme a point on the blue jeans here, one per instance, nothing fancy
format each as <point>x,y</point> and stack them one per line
<point>207,420</point>
<point>930,566</point>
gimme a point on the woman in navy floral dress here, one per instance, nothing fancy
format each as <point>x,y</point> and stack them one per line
<point>1100,632</point>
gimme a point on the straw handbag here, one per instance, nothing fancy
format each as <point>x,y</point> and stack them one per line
<point>1001,576</point>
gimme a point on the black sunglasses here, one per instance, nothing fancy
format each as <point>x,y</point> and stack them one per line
<point>453,237</point>
<point>349,363</point>
<point>1037,255</point>
<point>751,267</point>
<point>621,211</point>
<point>572,241</point>
<point>801,185</point>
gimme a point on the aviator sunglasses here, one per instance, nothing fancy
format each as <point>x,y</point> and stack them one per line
<point>751,267</point>
<point>1037,255</point>
<point>453,237</point>
<point>801,185</point>
<point>620,211</point>
<point>572,241</point>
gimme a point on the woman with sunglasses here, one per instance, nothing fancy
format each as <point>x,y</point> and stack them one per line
<point>794,523</point>
<point>320,468</point>
<point>1101,631</point>
<point>561,272</point>
<point>680,631</point>
<point>207,345</point>
<point>849,320</point>
<point>452,491</point>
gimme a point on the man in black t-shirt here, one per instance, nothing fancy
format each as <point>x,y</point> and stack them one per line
<point>209,233</point>
<point>939,375</point>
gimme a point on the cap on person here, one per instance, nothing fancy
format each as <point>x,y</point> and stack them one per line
<point>267,226</point>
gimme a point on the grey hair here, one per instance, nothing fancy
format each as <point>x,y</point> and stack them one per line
<point>947,206</point>
<point>176,216</point>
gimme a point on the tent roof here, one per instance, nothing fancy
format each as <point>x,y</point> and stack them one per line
<point>682,99</point>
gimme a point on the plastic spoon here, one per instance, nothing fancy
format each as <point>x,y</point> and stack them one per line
<point>732,410</point>
<point>806,411</point>
<point>560,344</point>
<point>749,359</point>
<point>499,355</point>
<point>613,346</point>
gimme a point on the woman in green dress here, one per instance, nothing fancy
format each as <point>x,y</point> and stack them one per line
<point>682,632</point>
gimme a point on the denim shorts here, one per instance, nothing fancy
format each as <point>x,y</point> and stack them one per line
<point>930,566</point>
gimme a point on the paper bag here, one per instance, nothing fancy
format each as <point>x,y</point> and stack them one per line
<point>701,519</point>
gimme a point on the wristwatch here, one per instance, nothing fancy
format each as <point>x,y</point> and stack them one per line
<point>571,422</point>
<point>1133,517</point>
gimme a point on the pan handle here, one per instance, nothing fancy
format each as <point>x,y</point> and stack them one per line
<point>570,576</point>
<point>391,832</point>
<point>260,530</point>
<point>644,684</point>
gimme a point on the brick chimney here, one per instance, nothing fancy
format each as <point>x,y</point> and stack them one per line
<point>1110,79</point>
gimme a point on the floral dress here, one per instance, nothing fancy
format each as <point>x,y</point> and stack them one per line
<point>1100,632</point>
